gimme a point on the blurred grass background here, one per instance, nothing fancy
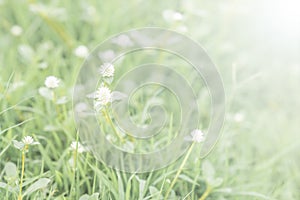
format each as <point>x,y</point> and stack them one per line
<point>255,51</point>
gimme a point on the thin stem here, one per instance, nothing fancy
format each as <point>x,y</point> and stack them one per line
<point>105,112</point>
<point>75,157</point>
<point>179,170</point>
<point>95,179</point>
<point>22,173</point>
<point>206,193</point>
<point>54,102</point>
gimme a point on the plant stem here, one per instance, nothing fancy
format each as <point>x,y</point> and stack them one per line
<point>179,170</point>
<point>206,193</point>
<point>105,112</point>
<point>22,173</point>
<point>75,159</point>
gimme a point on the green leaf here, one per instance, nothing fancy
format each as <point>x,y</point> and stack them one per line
<point>208,170</point>
<point>39,184</point>
<point>217,182</point>
<point>94,196</point>
<point>121,187</point>
<point>188,179</point>
<point>142,184</point>
<point>84,197</point>
<point>154,192</point>
<point>62,100</point>
<point>6,187</point>
<point>18,145</point>
<point>117,96</point>
<point>10,170</point>
<point>46,93</point>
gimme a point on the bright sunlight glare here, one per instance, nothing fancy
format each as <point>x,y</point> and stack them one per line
<point>282,17</point>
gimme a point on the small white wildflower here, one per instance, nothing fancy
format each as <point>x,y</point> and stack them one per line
<point>52,82</point>
<point>16,30</point>
<point>197,136</point>
<point>80,148</point>
<point>239,117</point>
<point>177,16</point>
<point>81,51</point>
<point>23,145</point>
<point>172,16</point>
<point>103,95</point>
<point>28,140</point>
<point>107,70</point>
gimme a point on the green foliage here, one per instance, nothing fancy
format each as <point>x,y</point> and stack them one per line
<point>256,158</point>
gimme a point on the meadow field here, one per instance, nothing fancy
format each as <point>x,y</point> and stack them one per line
<point>44,45</point>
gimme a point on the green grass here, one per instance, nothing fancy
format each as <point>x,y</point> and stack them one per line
<point>257,156</point>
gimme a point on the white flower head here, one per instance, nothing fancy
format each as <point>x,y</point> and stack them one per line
<point>103,95</point>
<point>177,16</point>
<point>23,145</point>
<point>81,51</point>
<point>28,140</point>
<point>239,117</point>
<point>74,145</point>
<point>16,30</point>
<point>197,136</point>
<point>107,70</point>
<point>172,16</point>
<point>52,82</point>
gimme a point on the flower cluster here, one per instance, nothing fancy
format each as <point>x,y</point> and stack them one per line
<point>103,94</point>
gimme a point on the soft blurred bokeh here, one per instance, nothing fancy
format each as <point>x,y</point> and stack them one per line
<point>254,44</point>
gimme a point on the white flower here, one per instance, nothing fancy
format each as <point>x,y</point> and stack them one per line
<point>239,117</point>
<point>177,16</point>
<point>103,96</point>
<point>107,70</point>
<point>81,51</point>
<point>172,16</point>
<point>197,136</point>
<point>52,82</point>
<point>28,140</point>
<point>16,30</point>
<point>78,146</point>
<point>23,145</point>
